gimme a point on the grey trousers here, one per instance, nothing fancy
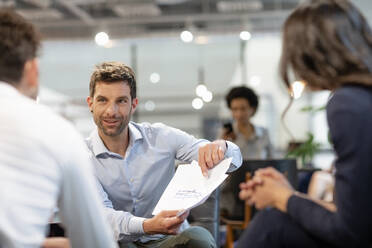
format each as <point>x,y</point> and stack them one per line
<point>193,237</point>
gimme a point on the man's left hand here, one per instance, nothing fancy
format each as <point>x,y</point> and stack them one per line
<point>211,154</point>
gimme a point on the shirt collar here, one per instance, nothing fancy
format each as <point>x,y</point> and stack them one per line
<point>99,147</point>
<point>8,90</point>
<point>134,132</point>
<point>257,132</point>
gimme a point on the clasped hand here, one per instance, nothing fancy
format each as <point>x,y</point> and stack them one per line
<point>268,188</point>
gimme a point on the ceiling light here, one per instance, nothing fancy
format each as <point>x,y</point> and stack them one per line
<point>150,106</point>
<point>200,90</point>
<point>197,103</point>
<point>245,35</point>
<point>186,36</point>
<point>207,96</point>
<point>154,78</point>
<point>102,38</point>
<point>297,89</point>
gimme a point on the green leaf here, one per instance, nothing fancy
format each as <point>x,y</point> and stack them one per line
<point>312,109</point>
<point>305,151</point>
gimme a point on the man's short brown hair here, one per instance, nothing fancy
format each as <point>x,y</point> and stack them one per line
<point>19,42</point>
<point>110,72</point>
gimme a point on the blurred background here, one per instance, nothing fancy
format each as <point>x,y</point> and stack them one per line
<point>174,46</point>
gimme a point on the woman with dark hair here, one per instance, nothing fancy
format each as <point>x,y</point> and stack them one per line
<point>253,141</point>
<point>327,44</point>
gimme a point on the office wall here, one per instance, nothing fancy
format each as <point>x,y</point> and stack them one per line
<point>66,67</point>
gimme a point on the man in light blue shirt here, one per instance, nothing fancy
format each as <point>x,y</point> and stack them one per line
<point>135,162</point>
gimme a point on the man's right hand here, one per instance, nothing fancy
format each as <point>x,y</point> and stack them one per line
<point>166,222</point>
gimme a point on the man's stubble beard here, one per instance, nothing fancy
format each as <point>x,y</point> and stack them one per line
<point>123,124</point>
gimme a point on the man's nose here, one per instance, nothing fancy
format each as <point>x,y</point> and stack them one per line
<point>111,109</point>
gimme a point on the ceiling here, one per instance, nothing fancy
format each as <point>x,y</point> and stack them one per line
<point>143,18</point>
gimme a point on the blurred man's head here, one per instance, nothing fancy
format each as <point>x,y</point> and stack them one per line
<point>19,44</point>
<point>243,103</point>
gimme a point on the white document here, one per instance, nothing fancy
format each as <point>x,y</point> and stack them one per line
<point>189,188</point>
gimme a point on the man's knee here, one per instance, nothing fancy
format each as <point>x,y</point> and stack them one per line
<point>197,237</point>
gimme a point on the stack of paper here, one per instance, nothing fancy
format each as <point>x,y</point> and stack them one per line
<point>189,188</point>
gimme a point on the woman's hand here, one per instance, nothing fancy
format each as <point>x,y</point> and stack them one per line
<point>268,188</point>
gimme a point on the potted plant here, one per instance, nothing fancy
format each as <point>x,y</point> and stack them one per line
<point>304,151</point>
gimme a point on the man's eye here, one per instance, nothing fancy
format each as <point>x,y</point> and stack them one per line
<point>101,100</point>
<point>123,101</point>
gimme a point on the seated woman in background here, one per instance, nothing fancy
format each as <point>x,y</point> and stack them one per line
<point>253,141</point>
<point>328,44</point>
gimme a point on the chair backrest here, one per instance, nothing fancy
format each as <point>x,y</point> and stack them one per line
<point>286,166</point>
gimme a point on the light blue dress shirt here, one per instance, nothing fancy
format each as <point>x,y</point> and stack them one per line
<point>131,186</point>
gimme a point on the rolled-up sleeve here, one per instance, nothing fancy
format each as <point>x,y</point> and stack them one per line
<point>187,148</point>
<point>233,151</point>
<point>126,227</point>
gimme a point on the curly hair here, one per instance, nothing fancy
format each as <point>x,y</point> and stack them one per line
<point>111,72</point>
<point>242,92</point>
<point>19,43</point>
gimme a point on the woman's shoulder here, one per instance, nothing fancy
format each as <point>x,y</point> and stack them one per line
<point>353,90</point>
<point>353,98</point>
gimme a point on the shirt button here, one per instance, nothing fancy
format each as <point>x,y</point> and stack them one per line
<point>131,180</point>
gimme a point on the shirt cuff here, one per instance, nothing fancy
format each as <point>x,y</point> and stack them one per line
<point>136,225</point>
<point>234,152</point>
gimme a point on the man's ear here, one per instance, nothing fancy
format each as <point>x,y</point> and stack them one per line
<point>90,103</point>
<point>29,84</point>
<point>31,73</point>
<point>134,104</point>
